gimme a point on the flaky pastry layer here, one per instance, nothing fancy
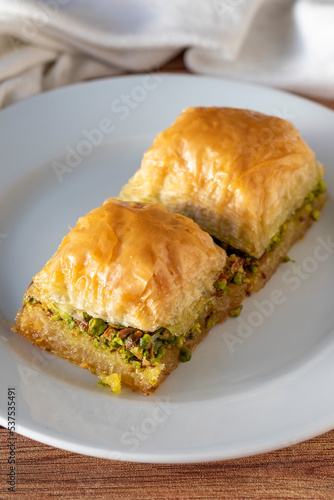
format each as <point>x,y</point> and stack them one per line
<point>132,264</point>
<point>239,174</point>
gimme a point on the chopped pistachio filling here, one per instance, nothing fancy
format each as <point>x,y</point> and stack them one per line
<point>140,349</point>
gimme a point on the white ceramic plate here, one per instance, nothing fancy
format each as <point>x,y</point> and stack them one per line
<point>258,382</point>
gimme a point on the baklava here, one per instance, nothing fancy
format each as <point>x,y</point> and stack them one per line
<point>246,178</point>
<point>129,293</point>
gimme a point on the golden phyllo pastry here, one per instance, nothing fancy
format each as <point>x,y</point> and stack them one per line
<point>239,174</point>
<point>128,293</point>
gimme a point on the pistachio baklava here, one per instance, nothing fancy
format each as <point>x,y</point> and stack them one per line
<point>129,293</point>
<point>246,178</point>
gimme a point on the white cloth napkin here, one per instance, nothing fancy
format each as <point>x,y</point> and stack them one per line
<point>289,45</point>
<point>49,43</point>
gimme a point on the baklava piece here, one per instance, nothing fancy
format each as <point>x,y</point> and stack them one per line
<point>246,178</point>
<point>130,292</point>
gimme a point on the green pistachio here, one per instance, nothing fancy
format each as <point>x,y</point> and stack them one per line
<point>160,331</point>
<point>145,341</point>
<point>55,317</point>
<point>254,269</point>
<point>163,333</point>
<point>184,355</point>
<point>287,259</point>
<point>238,279</point>
<point>137,364</point>
<point>180,340</point>
<point>196,328</point>
<point>173,339</point>
<point>321,186</point>
<point>116,342</point>
<point>310,197</point>
<point>67,318</point>
<point>221,285</point>
<point>277,239</point>
<point>315,214</point>
<point>126,355</point>
<point>211,321</point>
<point>235,312</point>
<point>159,356</point>
<point>53,310</point>
<point>157,344</point>
<point>96,327</point>
<point>137,351</point>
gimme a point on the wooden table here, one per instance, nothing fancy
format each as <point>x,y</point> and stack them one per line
<point>303,471</point>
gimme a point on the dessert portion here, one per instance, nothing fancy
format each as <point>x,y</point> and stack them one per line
<point>129,293</point>
<point>246,178</point>
<point>136,285</point>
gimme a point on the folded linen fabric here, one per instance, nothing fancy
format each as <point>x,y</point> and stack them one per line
<point>49,43</point>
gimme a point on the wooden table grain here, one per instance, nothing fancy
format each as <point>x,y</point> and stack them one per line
<point>302,471</point>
